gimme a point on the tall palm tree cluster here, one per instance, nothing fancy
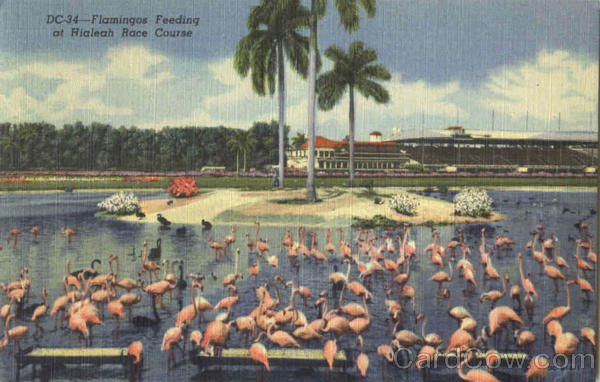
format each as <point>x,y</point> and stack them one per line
<point>275,34</point>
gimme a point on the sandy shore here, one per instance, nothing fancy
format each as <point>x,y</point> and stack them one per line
<point>337,207</point>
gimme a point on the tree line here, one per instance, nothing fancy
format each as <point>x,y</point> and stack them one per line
<point>102,147</point>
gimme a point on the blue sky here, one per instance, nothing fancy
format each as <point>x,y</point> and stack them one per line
<point>521,60</point>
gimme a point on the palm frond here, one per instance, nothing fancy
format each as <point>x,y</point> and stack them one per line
<point>348,12</point>
<point>378,72</point>
<point>370,89</point>
<point>369,6</point>
<point>258,59</point>
<point>271,69</point>
<point>296,51</point>
<point>336,54</point>
<point>330,89</point>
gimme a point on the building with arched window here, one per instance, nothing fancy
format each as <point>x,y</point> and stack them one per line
<point>330,155</point>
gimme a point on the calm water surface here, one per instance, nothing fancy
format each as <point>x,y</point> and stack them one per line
<point>96,238</point>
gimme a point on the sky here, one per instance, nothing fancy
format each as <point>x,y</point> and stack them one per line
<point>452,62</point>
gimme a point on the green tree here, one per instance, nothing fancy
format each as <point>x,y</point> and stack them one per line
<point>241,142</point>
<point>298,140</point>
<point>274,31</point>
<point>349,14</point>
<point>352,70</point>
<point>16,141</point>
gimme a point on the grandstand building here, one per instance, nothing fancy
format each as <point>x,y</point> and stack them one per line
<point>460,150</point>
<point>456,149</point>
<point>372,155</point>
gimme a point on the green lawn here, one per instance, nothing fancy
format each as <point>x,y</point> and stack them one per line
<point>295,183</point>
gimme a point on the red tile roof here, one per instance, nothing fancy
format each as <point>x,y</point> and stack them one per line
<point>455,128</point>
<point>376,133</point>
<point>322,142</point>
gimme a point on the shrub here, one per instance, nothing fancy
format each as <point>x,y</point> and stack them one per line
<point>473,202</point>
<point>182,187</point>
<point>405,204</point>
<point>121,203</point>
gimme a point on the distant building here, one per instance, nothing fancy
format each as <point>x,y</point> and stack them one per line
<point>330,155</point>
<point>484,150</point>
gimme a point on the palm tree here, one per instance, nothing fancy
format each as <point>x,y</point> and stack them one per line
<point>274,31</point>
<point>234,144</point>
<point>241,142</point>
<point>354,70</point>
<point>350,20</point>
<point>298,140</point>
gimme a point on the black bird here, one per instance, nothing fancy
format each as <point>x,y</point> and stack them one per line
<point>155,253</point>
<point>214,277</point>
<point>163,221</point>
<point>139,214</point>
<point>181,231</point>
<point>206,226</point>
<point>132,253</point>
<point>169,202</point>
<point>144,322</point>
<point>181,283</point>
<point>89,273</point>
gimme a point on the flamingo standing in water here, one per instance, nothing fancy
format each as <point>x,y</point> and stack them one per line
<point>588,245</point>
<point>39,312</point>
<point>15,334</point>
<point>230,239</point>
<point>329,352</point>
<point>582,264</point>
<point>557,258</point>
<point>583,284</point>
<point>261,244</point>
<point>526,281</point>
<point>218,247</point>
<point>362,361</point>
<point>440,278</point>
<point>148,266</point>
<point>170,339</point>
<point>258,352</point>
<point>553,273</point>
<point>69,233</point>
<point>498,321</point>
<point>538,369</point>
<point>475,375</point>
<point>559,312</point>
<point>35,232</point>
<point>14,234</point>
<point>329,246</point>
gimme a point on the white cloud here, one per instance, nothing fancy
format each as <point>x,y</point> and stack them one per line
<point>554,82</point>
<point>133,85</point>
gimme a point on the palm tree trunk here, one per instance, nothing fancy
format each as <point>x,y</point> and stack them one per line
<point>281,94</point>
<point>244,160</point>
<point>237,161</point>
<point>311,192</point>
<point>351,139</point>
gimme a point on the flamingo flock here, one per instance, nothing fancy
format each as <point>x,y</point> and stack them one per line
<point>297,317</point>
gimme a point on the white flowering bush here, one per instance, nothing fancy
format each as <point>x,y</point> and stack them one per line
<point>473,202</point>
<point>121,203</point>
<point>404,204</point>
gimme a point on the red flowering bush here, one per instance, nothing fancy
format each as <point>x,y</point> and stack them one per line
<point>182,187</point>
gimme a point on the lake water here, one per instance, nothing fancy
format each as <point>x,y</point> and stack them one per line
<point>97,238</point>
